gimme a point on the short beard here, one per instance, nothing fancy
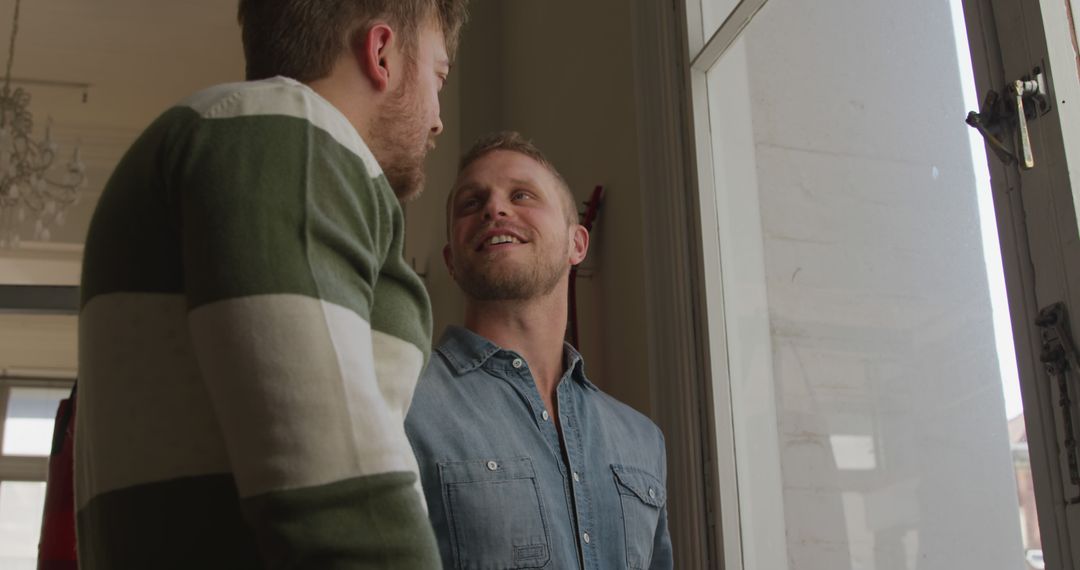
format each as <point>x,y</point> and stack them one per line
<point>400,141</point>
<point>491,283</point>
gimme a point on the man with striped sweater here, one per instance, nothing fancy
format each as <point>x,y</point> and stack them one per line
<point>250,335</point>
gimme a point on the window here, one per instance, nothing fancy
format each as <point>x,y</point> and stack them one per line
<point>27,413</point>
<point>865,329</point>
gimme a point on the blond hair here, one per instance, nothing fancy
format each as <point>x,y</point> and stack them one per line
<point>513,141</point>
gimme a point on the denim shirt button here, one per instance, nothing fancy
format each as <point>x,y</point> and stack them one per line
<point>492,466</point>
<point>576,478</point>
<point>585,537</point>
<point>652,493</point>
<point>517,363</point>
<point>545,415</point>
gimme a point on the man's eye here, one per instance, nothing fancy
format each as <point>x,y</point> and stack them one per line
<point>520,195</point>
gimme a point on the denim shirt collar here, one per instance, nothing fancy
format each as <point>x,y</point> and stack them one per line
<point>466,351</point>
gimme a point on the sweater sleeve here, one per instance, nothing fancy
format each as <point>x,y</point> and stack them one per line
<point>284,231</point>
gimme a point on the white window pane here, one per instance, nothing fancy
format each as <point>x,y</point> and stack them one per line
<point>853,452</point>
<point>28,425</point>
<point>21,506</point>
<point>862,302</point>
<point>713,14</point>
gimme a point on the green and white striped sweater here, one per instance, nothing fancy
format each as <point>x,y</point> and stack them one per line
<point>250,337</point>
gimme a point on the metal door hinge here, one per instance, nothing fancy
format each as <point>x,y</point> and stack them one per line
<point>1059,356</point>
<point>1024,100</point>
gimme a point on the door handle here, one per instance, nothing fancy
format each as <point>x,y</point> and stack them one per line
<point>995,117</point>
<point>1034,88</point>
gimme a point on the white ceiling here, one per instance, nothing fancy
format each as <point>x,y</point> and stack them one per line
<point>140,56</point>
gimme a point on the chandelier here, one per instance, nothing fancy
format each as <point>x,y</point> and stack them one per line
<point>29,185</point>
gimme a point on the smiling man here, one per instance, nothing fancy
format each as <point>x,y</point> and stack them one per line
<point>250,335</point>
<point>524,462</point>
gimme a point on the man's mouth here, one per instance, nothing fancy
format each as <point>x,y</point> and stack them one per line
<point>496,240</point>
<point>499,239</point>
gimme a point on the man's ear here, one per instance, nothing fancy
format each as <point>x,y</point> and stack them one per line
<point>448,259</point>
<point>579,244</point>
<point>375,51</point>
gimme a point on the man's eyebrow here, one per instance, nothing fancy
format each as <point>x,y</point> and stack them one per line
<point>523,182</point>
<point>465,188</point>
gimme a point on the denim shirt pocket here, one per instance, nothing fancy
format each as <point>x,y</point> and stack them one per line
<point>495,514</point>
<point>642,496</point>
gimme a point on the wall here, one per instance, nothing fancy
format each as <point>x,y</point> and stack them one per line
<point>561,73</point>
<point>139,58</point>
<point>38,344</point>
<point>425,216</point>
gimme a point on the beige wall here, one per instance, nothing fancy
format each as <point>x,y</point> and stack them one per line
<point>425,216</point>
<point>560,72</point>
<point>140,58</point>
<point>38,343</point>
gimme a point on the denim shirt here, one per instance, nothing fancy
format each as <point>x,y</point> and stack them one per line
<point>502,493</point>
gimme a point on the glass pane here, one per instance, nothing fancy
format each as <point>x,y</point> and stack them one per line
<point>21,505</point>
<point>713,14</point>
<point>877,417</point>
<point>28,425</point>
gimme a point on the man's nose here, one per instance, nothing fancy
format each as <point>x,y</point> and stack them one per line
<point>496,208</point>
<point>437,128</point>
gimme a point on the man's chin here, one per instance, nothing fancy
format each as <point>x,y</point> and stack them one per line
<point>409,187</point>
<point>506,284</point>
<point>409,194</point>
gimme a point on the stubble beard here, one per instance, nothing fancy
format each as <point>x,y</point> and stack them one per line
<point>402,141</point>
<point>494,280</point>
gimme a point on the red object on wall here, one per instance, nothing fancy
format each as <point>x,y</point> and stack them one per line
<point>56,551</point>
<point>592,208</point>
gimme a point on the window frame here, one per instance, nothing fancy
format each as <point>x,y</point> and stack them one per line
<point>32,300</point>
<point>681,98</point>
<point>25,467</point>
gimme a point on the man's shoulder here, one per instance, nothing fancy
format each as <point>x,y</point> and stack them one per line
<point>434,384</point>
<point>276,95</point>
<point>627,418</point>
<point>277,98</point>
<point>437,371</point>
<point>455,376</point>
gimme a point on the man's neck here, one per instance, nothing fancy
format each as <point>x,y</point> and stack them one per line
<point>534,329</point>
<point>350,94</point>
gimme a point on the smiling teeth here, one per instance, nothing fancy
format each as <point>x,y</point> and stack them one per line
<point>502,239</point>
